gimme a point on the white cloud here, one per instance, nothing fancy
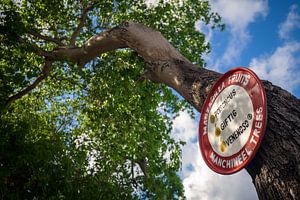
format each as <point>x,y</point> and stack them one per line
<point>236,44</point>
<point>281,67</point>
<point>292,22</point>
<point>200,183</point>
<point>184,127</point>
<point>237,15</point>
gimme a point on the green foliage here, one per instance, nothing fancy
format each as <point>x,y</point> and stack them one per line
<point>96,132</point>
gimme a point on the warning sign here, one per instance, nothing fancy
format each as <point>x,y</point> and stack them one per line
<point>233,121</point>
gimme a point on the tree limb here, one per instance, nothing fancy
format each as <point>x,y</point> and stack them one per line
<point>46,38</point>
<point>38,50</point>
<point>150,44</point>
<point>164,64</point>
<point>104,42</point>
<point>81,24</point>
<point>46,71</point>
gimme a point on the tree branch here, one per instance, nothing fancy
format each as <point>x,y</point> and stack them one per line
<point>164,63</point>
<point>46,38</point>
<point>38,50</point>
<point>149,44</point>
<point>45,74</point>
<point>81,23</point>
<point>93,47</point>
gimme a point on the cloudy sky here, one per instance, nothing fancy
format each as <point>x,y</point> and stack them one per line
<point>260,34</point>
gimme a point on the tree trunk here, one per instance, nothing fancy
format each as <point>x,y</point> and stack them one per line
<point>275,170</point>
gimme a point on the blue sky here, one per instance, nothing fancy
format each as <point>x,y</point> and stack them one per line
<point>260,34</point>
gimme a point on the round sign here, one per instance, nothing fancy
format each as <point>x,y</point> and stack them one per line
<point>233,121</point>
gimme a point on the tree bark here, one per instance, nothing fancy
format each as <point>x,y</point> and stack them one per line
<point>275,170</point>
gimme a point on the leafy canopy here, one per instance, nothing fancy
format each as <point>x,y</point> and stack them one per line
<point>95,132</point>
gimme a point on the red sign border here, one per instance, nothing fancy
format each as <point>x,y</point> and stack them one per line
<point>264,121</point>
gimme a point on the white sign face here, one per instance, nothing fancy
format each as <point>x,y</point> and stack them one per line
<point>233,121</point>
<point>230,121</point>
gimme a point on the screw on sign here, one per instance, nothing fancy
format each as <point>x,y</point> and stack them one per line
<point>233,121</point>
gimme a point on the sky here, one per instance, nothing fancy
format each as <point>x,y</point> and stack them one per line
<point>264,36</point>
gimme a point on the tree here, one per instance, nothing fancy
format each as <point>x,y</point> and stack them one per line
<point>81,117</point>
